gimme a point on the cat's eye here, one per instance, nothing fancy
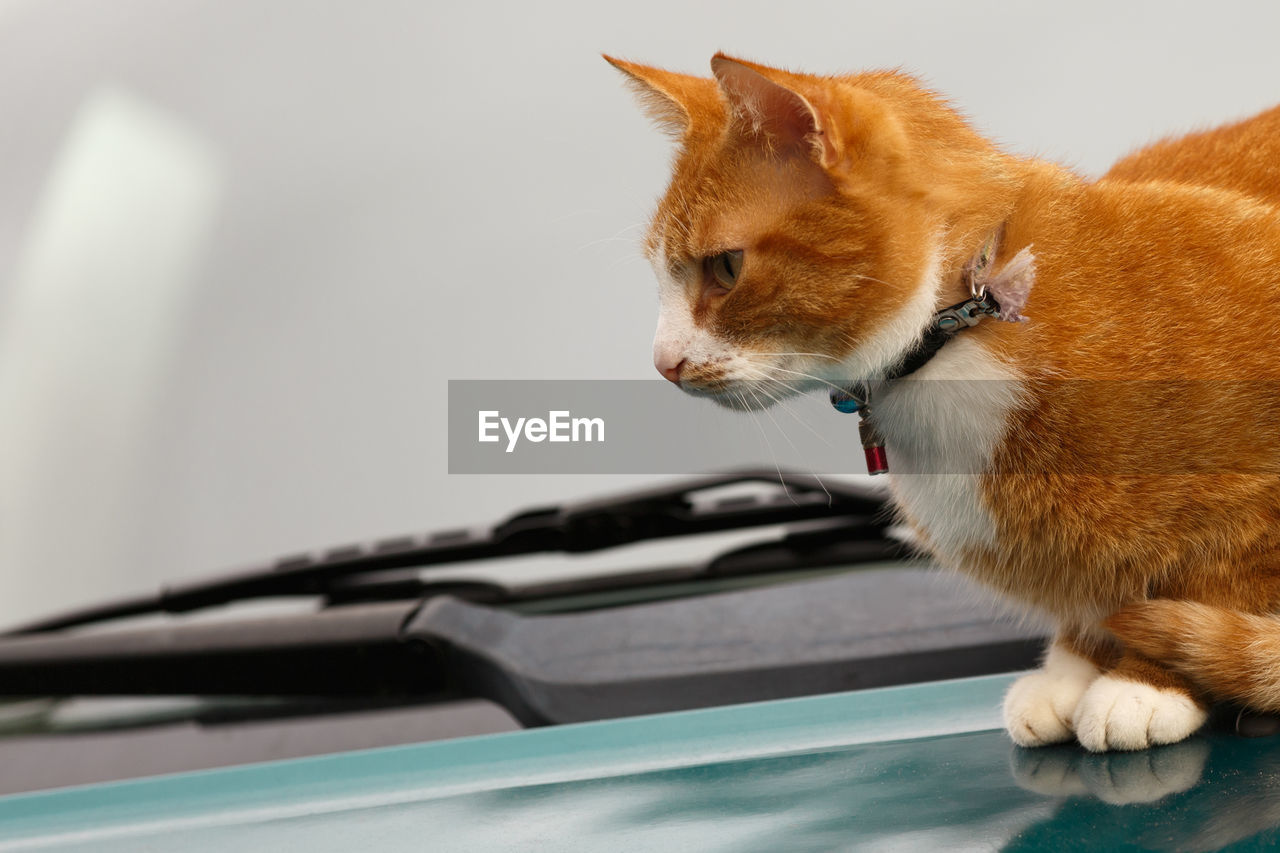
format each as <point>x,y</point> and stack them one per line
<point>725,267</point>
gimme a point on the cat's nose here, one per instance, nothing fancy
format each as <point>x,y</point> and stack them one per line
<point>669,368</point>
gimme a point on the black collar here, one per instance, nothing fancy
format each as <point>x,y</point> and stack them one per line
<point>946,324</point>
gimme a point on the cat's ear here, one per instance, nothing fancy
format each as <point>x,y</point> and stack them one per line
<point>675,101</point>
<point>770,109</point>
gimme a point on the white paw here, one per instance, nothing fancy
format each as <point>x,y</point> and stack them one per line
<point>1118,714</point>
<point>1038,707</point>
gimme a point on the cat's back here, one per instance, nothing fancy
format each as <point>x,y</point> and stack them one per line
<point>1148,278</point>
<point>1242,157</point>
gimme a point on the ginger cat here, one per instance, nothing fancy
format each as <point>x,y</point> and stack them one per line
<point>1104,462</point>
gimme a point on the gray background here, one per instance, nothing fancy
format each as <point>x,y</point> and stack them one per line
<point>245,243</point>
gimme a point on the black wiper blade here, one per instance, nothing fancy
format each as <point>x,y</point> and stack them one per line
<point>840,542</point>
<point>637,516</point>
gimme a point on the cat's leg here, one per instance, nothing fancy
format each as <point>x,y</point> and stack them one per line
<point>1138,703</point>
<point>1039,707</point>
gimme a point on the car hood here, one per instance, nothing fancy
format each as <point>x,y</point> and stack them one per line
<point>903,768</point>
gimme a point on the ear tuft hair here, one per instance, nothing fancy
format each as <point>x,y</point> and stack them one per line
<point>676,102</point>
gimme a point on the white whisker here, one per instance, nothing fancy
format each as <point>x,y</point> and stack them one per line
<point>616,238</point>
<point>781,403</point>
<point>788,440</point>
<point>768,366</point>
<point>754,417</point>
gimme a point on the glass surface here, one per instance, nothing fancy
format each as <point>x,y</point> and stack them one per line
<point>920,767</point>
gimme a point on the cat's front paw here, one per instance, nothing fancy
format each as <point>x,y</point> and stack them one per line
<point>1116,713</point>
<point>1039,706</point>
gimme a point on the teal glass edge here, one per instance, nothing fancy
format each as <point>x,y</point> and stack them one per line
<point>585,750</point>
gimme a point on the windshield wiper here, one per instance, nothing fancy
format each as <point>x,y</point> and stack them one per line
<point>869,628</point>
<point>575,528</point>
<point>391,631</point>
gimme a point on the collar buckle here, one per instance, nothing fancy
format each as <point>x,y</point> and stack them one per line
<point>968,313</point>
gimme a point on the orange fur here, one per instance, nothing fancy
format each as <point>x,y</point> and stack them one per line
<point>1222,646</point>
<point>1141,458</point>
<point>1241,156</point>
<point>1228,654</point>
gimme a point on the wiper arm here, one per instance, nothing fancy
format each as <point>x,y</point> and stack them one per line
<point>346,651</point>
<point>360,648</point>
<point>595,525</point>
<point>845,631</point>
<point>835,632</point>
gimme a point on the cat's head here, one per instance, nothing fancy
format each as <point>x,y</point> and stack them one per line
<point>810,227</point>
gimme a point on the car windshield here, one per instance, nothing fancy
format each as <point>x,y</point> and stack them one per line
<point>244,248</point>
